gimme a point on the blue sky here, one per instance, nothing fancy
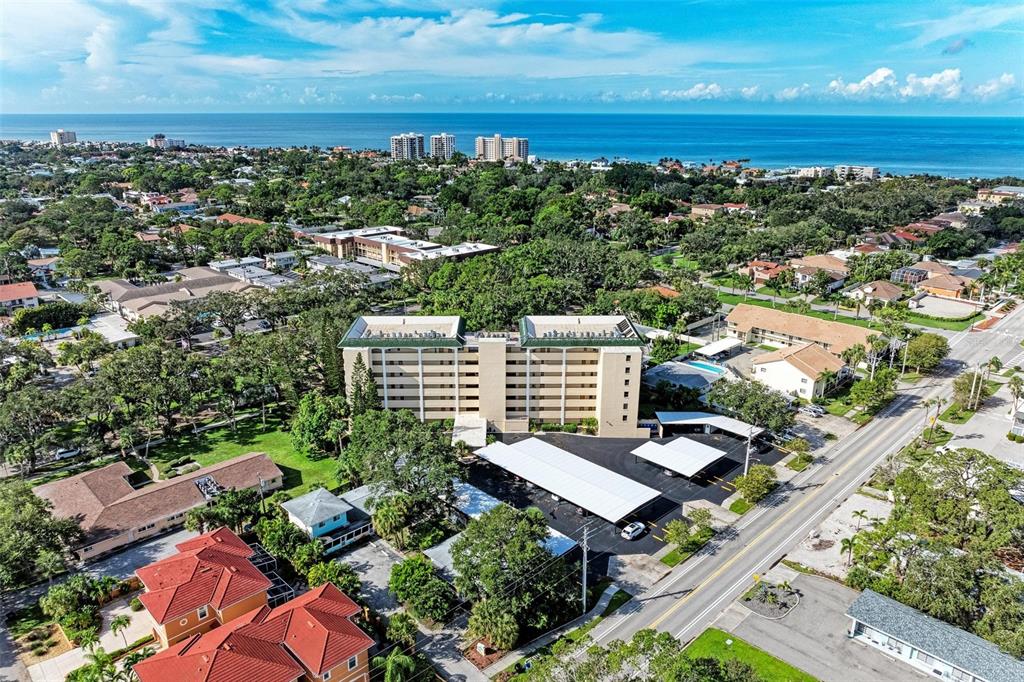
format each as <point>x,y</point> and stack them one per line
<point>912,57</point>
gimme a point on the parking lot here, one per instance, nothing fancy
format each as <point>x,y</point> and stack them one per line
<point>614,454</point>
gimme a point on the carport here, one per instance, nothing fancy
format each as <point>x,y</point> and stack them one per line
<point>598,490</point>
<point>683,456</point>
<point>708,422</point>
<point>719,347</point>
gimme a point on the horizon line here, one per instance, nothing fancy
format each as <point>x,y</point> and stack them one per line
<point>511,113</point>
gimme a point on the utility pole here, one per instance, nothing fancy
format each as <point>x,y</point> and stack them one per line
<point>750,443</point>
<point>974,379</point>
<point>586,548</point>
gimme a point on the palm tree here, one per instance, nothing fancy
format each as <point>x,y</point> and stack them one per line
<point>1016,385</point>
<point>119,624</point>
<point>854,355</point>
<point>746,282</point>
<point>846,545</point>
<point>827,377</point>
<point>398,666</point>
<point>860,515</point>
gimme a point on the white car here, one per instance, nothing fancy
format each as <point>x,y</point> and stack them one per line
<point>633,530</point>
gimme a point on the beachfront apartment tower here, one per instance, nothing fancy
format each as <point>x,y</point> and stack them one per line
<point>857,172</point>
<point>442,146</point>
<point>498,148</point>
<point>407,147</point>
<point>561,369</point>
<point>161,141</point>
<point>61,137</point>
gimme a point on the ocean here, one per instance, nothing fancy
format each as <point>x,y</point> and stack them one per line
<point>956,147</point>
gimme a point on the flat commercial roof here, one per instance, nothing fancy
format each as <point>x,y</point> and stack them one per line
<point>585,484</point>
<point>684,456</point>
<point>718,421</point>
<point>441,555</point>
<point>720,346</point>
<point>472,501</point>
<point>559,331</point>
<point>395,331</point>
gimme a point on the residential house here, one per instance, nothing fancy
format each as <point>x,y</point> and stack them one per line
<point>706,211</point>
<point>232,263</point>
<point>114,509</point>
<point>209,582</point>
<point>310,638</point>
<point>954,220</point>
<point>43,269</point>
<point>946,286</point>
<point>918,272</point>
<point>233,219</point>
<point>756,324</point>
<point>1001,194</point>
<point>928,645</point>
<point>761,271</point>
<point>332,520</point>
<point>282,260</point>
<point>806,269</point>
<point>806,371</point>
<point>18,295</point>
<point>878,291</point>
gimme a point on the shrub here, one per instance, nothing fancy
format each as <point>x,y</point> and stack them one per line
<point>1019,439</point>
<point>589,425</point>
<point>37,634</point>
<point>181,461</point>
<point>135,604</point>
<point>1011,436</point>
<point>416,583</point>
<point>39,650</point>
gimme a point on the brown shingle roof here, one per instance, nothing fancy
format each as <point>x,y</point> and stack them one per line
<point>883,290</point>
<point>822,262</point>
<point>105,505</point>
<point>944,282</point>
<point>834,336</point>
<point>810,358</point>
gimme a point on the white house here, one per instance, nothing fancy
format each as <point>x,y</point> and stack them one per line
<point>805,371</point>
<point>18,295</point>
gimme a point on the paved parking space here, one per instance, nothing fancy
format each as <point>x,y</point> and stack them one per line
<point>812,636</point>
<point>944,307</point>
<point>614,454</point>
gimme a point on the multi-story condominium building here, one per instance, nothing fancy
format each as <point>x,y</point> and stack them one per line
<point>161,141</point>
<point>61,137</point>
<point>857,172</point>
<point>407,147</point>
<point>756,325</point>
<point>563,368</point>
<point>442,146</point>
<point>498,148</point>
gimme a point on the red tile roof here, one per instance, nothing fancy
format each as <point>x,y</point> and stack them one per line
<point>16,291</point>
<point>211,570</point>
<point>237,219</point>
<point>267,645</point>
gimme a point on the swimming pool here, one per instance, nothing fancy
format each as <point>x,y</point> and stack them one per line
<point>705,366</point>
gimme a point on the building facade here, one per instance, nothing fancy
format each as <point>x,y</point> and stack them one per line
<point>498,148</point>
<point>161,141</point>
<point>562,369</point>
<point>407,147</point>
<point>442,146</point>
<point>857,172</point>
<point>62,137</point>
<point>18,295</point>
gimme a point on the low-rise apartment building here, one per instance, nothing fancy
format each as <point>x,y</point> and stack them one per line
<point>114,510</point>
<point>387,247</point>
<point>755,324</point>
<point>134,302</point>
<point>563,369</point>
<point>209,582</point>
<point>312,638</point>
<point>845,172</point>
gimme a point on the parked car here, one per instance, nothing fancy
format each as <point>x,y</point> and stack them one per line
<point>66,453</point>
<point>817,408</point>
<point>809,412</point>
<point>633,530</point>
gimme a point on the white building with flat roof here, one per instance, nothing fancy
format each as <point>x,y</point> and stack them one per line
<point>407,147</point>
<point>442,146</point>
<point>557,369</point>
<point>844,172</point>
<point>498,148</point>
<point>61,137</point>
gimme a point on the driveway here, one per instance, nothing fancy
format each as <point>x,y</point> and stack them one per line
<point>812,636</point>
<point>987,429</point>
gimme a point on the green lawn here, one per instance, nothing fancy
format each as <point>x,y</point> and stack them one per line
<point>954,415</point>
<point>785,293</point>
<point>862,418</point>
<point>799,464</point>
<point>671,260</point>
<point>740,506</point>
<point>911,377</point>
<point>301,474</point>
<point>715,643</point>
<point>951,325</point>
<point>617,600</point>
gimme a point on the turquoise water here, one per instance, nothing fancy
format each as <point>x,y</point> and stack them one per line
<point>707,367</point>
<point>961,147</point>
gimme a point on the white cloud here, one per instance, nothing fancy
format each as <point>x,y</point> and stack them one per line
<point>792,93</point>
<point>700,91</point>
<point>995,87</point>
<point>750,92</point>
<point>880,82</point>
<point>967,21</point>
<point>392,99</point>
<point>945,84</point>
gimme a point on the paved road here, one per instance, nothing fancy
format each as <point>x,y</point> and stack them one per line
<point>693,595</point>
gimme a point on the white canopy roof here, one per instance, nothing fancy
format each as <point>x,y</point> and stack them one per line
<point>684,456</point>
<point>720,346</point>
<point>718,421</point>
<point>470,429</point>
<point>572,478</point>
